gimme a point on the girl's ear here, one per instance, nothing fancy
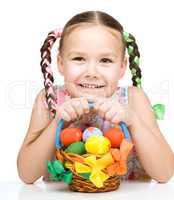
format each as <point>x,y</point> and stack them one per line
<point>60,65</point>
<point>123,67</point>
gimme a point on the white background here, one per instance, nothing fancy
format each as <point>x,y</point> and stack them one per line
<point>24,26</point>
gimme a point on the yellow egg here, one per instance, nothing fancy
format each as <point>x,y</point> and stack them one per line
<point>97,145</point>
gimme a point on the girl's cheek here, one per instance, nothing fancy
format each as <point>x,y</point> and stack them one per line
<point>72,75</point>
<point>74,71</point>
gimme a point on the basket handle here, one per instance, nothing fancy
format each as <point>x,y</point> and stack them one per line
<point>60,126</point>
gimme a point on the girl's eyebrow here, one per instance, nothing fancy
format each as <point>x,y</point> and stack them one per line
<point>102,54</point>
<point>75,52</point>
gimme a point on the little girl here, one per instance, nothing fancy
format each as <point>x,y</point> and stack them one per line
<point>92,59</point>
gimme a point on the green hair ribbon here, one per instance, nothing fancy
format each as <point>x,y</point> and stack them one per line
<point>126,37</point>
<point>138,80</point>
<point>159,110</point>
<point>137,60</point>
<point>130,49</point>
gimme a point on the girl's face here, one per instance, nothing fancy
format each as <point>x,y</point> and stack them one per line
<point>92,61</point>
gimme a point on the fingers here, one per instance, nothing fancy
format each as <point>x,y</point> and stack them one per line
<point>81,106</point>
<point>117,116</point>
<point>110,114</point>
<point>73,109</point>
<point>66,116</point>
<point>103,108</point>
<point>109,110</point>
<point>77,107</point>
<point>98,103</point>
<point>115,119</point>
<point>85,105</point>
<point>62,114</point>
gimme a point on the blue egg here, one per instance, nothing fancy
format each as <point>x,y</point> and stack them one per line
<point>91,131</point>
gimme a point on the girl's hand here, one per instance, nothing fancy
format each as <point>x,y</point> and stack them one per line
<point>72,109</point>
<point>113,111</point>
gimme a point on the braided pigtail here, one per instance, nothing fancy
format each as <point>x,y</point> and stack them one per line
<point>134,58</point>
<point>47,72</point>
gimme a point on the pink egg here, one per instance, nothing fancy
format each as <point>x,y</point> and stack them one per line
<point>90,131</point>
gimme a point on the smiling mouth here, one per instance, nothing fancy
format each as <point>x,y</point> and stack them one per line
<point>91,86</point>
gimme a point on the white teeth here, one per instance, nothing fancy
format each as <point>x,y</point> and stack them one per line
<point>90,86</point>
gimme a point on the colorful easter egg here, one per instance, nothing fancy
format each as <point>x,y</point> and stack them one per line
<point>97,145</point>
<point>70,135</point>
<point>77,148</point>
<point>115,135</point>
<point>88,132</point>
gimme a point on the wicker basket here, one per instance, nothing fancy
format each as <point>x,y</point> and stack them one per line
<point>79,183</point>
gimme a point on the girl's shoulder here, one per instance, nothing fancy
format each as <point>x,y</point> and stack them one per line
<point>137,94</point>
<point>139,101</point>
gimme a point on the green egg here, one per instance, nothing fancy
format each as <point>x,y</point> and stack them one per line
<point>77,148</point>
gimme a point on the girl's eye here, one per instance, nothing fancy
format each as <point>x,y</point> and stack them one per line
<point>77,58</point>
<point>106,60</point>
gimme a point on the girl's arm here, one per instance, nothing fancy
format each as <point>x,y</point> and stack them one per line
<point>152,149</point>
<point>38,145</point>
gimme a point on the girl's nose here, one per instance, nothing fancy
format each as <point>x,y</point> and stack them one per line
<point>91,70</point>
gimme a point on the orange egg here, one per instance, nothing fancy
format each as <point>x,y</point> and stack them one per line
<point>70,135</point>
<point>115,135</point>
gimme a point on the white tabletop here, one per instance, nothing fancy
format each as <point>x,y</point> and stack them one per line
<point>59,191</point>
